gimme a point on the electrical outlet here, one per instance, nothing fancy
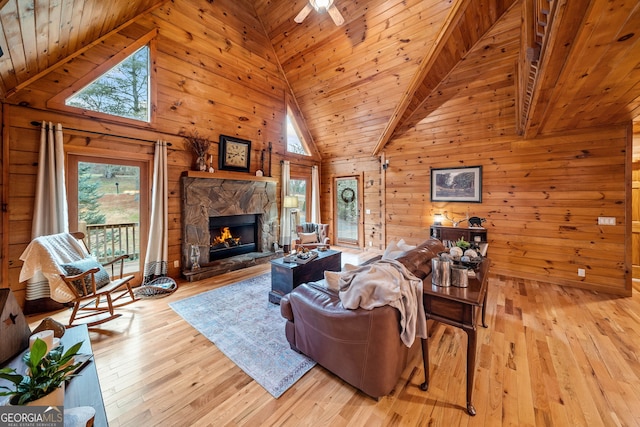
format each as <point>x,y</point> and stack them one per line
<point>370,243</point>
<point>606,220</point>
<point>581,272</point>
<point>176,264</point>
<point>367,211</point>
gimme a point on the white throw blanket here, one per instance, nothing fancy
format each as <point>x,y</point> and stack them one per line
<point>385,282</point>
<point>45,254</point>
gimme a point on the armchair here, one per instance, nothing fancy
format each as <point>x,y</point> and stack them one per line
<point>311,235</point>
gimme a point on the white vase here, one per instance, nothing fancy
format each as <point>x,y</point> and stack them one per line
<point>55,398</point>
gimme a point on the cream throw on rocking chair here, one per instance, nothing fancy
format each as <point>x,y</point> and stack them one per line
<point>46,255</point>
<point>74,275</point>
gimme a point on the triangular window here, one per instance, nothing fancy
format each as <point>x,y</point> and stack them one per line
<point>294,138</point>
<point>122,91</point>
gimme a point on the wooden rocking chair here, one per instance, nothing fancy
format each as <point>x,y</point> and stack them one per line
<point>90,283</point>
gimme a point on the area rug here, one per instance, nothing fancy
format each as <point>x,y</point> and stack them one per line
<point>249,330</point>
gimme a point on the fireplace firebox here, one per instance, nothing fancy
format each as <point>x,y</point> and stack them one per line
<point>232,235</point>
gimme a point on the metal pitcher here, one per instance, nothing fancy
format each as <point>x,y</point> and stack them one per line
<point>441,271</point>
<point>459,276</point>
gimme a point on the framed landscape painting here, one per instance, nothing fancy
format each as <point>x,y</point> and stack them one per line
<point>457,184</point>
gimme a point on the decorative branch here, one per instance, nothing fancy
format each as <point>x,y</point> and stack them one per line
<point>199,144</point>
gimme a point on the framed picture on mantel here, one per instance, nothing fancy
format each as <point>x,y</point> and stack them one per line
<point>234,154</point>
<point>457,184</point>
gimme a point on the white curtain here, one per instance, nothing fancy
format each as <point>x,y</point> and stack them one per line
<point>285,219</point>
<point>50,211</point>
<point>157,256</point>
<point>315,195</point>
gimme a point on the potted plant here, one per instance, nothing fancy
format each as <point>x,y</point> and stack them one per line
<point>46,373</point>
<point>463,244</point>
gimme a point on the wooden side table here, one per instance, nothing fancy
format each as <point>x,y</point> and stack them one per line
<point>457,307</point>
<point>286,276</point>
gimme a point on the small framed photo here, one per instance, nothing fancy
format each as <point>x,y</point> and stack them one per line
<point>234,154</point>
<point>456,184</point>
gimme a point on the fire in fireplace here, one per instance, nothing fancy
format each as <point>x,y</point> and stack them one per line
<point>232,235</point>
<point>225,239</point>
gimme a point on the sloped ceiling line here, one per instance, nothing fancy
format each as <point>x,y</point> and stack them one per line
<point>436,66</point>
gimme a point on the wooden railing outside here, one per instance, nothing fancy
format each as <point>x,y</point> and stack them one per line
<point>108,241</point>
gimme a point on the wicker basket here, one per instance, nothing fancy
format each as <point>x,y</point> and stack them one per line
<point>160,287</point>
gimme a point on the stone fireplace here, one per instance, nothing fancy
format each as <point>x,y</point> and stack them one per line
<point>232,221</point>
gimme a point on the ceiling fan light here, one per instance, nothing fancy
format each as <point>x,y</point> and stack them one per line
<point>321,4</point>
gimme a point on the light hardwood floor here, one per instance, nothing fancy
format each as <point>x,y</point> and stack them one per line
<point>551,356</point>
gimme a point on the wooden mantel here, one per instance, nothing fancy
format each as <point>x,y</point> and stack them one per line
<point>238,176</point>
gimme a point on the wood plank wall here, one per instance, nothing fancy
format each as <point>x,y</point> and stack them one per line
<point>635,201</point>
<point>541,198</point>
<point>216,75</point>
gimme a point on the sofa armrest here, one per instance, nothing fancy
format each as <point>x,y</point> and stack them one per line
<point>418,260</point>
<point>285,308</point>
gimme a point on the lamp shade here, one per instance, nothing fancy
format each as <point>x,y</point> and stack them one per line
<point>290,202</point>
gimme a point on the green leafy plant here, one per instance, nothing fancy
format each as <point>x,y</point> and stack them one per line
<point>463,244</point>
<point>45,372</point>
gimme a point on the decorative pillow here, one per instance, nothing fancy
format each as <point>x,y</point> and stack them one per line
<point>78,267</point>
<point>405,246</point>
<point>308,238</point>
<point>395,250</point>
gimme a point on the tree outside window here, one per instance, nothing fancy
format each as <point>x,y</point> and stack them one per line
<point>122,91</point>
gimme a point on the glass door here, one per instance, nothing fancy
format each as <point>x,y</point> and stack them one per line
<point>105,203</point>
<point>347,209</point>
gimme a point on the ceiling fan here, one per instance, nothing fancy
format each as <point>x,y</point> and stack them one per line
<point>320,6</point>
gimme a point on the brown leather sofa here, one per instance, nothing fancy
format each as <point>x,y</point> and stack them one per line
<point>363,347</point>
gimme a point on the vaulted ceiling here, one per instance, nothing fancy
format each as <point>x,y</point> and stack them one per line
<point>392,64</point>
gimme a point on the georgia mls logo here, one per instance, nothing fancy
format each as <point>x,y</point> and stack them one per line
<point>31,416</point>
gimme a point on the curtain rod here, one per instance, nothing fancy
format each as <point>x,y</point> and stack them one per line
<point>39,124</point>
<point>298,164</point>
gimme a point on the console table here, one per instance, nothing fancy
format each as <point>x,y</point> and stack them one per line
<point>84,389</point>
<point>285,276</point>
<point>457,307</point>
<point>442,232</point>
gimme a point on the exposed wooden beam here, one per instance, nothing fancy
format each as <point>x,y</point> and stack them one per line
<point>423,106</point>
<point>446,53</point>
<point>559,42</point>
<point>455,13</point>
<point>78,52</point>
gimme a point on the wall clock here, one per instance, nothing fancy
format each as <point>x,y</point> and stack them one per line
<point>235,154</point>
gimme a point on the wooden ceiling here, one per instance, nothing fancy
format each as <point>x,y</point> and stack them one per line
<point>390,65</point>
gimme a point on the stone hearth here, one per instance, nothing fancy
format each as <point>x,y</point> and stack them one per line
<point>204,196</point>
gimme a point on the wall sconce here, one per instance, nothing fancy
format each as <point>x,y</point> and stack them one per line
<point>437,219</point>
<point>385,165</point>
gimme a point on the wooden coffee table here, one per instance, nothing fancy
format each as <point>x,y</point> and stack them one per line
<point>285,276</point>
